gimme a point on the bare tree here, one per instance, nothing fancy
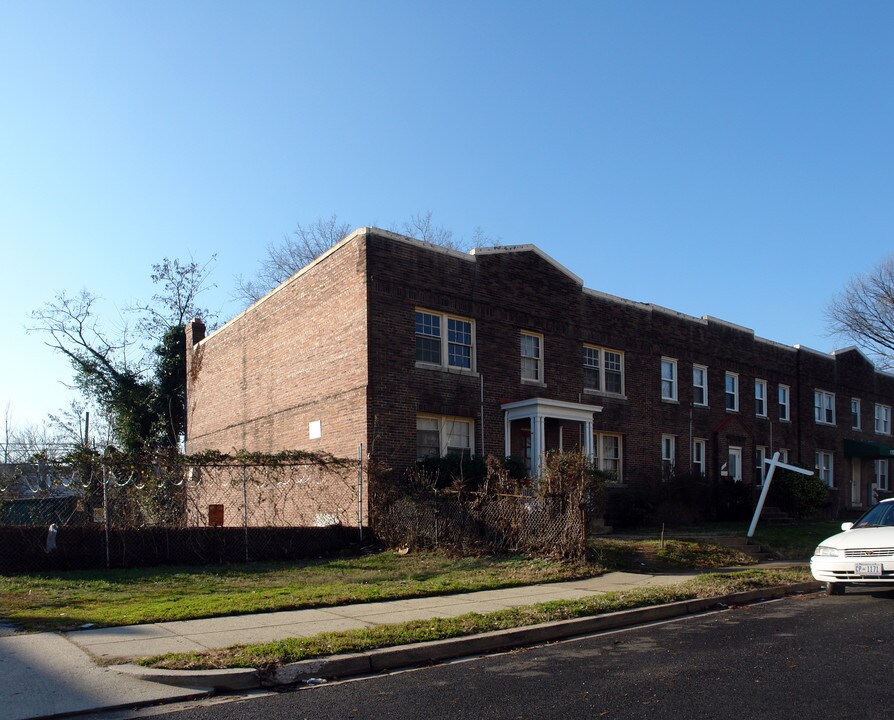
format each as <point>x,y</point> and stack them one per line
<point>177,302</point>
<point>864,312</point>
<point>302,247</point>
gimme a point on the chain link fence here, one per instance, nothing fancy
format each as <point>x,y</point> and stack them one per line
<point>116,511</point>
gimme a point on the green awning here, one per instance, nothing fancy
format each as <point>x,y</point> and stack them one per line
<point>864,449</point>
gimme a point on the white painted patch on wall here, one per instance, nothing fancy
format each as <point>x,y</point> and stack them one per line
<point>315,429</point>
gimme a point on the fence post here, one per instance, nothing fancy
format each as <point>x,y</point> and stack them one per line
<point>105,510</point>
<point>245,509</point>
<point>360,490</point>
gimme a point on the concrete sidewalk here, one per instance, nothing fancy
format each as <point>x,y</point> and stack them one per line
<point>122,643</point>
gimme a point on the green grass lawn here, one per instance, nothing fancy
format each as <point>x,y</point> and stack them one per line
<point>795,541</point>
<point>67,600</point>
<point>267,655</point>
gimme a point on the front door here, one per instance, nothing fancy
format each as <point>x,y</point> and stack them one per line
<point>856,484</point>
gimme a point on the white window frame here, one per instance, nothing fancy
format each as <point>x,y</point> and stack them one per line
<point>785,398</point>
<point>783,455</point>
<point>734,393</point>
<point>668,455</point>
<point>604,463</point>
<point>444,335</point>
<point>882,419</point>
<point>699,456</point>
<point>881,475</point>
<point>824,464</point>
<point>856,408</point>
<point>703,386</point>
<point>669,384</point>
<point>538,358</point>
<point>760,403</point>
<point>824,407</point>
<point>446,424</point>
<point>760,455</point>
<point>598,353</point>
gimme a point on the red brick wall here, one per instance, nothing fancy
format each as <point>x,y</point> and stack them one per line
<point>297,356</point>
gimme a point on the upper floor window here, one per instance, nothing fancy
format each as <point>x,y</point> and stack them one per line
<point>784,403</point>
<point>732,392</point>
<point>824,407</point>
<point>531,357</point>
<point>699,385</point>
<point>459,349</point>
<point>883,419</point>
<point>668,379</point>
<point>855,414</point>
<point>760,398</point>
<point>437,436</point>
<point>603,370</point>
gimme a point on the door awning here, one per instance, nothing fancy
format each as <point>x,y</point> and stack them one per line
<point>865,449</point>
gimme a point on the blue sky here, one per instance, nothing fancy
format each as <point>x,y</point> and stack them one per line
<point>731,159</point>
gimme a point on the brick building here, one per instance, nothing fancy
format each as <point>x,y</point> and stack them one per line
<point>413,349</point>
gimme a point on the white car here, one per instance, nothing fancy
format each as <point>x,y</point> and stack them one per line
<point>862,554</point>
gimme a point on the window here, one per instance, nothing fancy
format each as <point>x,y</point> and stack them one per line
<point>457,352</point>
<point>531,357</point>
<point>437,436</point>
<point>668,455</point>
<point>783,455</point>
<point>883,419</point>
<point>698,456</point>
<point>607,454</point>
<point>824,470</point>
<point>881,474</point>
<point>699,385</point>
<point>760,467</point>
<point>855,414</point>
<point>732,392</point>
<point>734,466</point>
<point>668,379</point>
<point>603,370</point>
<point>824,407</point>
<point>784,395</point>
<point>760,398</point>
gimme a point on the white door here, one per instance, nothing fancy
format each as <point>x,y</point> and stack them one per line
<point>735,463</point>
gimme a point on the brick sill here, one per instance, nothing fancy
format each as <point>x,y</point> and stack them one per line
<point>448,370</point>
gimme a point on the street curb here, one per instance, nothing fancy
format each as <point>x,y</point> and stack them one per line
<point>348,665</point>
<point>225,679</point>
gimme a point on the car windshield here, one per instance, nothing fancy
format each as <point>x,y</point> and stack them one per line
<point>881,514</point>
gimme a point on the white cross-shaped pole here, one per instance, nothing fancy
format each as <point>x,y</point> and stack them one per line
<point>774,463</point>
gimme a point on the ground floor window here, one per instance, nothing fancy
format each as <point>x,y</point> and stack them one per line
<point>824,469</point>
<point>668,455</point>
<point>881,474</point>
<point>698,456</point>
<point>760,467</point>
<point>439,435</point>
<point>607,454</point>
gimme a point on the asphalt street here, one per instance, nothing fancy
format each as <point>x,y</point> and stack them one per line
<point>809,656</point>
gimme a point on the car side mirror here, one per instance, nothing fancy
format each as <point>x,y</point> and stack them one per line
<point>846,526</point>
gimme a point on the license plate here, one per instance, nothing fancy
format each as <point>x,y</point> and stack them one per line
<point>873,569</point>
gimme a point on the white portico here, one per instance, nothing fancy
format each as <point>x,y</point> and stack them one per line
<point>535,425</point>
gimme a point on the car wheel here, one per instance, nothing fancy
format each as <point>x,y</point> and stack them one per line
<point>834,588</point>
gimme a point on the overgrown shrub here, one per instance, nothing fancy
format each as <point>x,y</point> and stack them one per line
<point>801,496</point>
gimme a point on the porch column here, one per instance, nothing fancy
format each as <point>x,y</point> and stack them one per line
<point>538,443</point>
<point>588,439</point>
<point>507,446</point>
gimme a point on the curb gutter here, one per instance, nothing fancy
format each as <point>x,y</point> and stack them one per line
<point>340,666</point>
